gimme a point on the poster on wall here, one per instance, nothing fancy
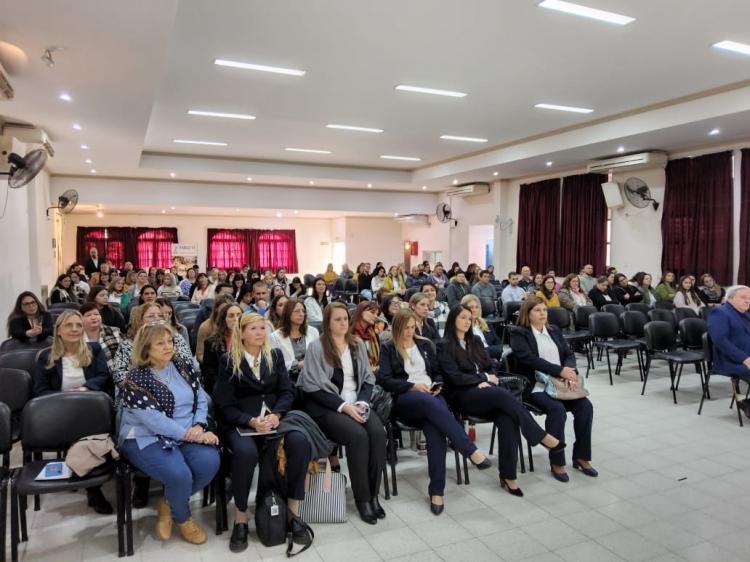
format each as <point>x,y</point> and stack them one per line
<point>184,256</point>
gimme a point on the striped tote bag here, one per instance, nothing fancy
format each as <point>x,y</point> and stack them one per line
<point>325,497</point>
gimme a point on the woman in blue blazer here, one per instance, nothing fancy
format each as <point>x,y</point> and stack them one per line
<point>539,347</point>
<point>408,369</point>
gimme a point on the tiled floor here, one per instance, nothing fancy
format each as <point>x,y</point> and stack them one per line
<point>672,485</point>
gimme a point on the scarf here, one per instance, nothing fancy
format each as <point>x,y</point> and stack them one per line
<point>370,337</point>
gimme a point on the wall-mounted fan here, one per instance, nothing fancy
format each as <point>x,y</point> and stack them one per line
<point>443,212</point>
<point>66,202</point>
<point>638,193</point>
<point>23,169</point>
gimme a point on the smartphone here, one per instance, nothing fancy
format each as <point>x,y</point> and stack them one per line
<point>434,387</point>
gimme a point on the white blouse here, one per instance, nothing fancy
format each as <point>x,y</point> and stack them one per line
<point>547,350</point>
<point>73,376</point>
<point>349,388</point>
<point>416,368</point>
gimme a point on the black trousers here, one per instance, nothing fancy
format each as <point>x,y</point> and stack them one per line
<point>557,413</point>
<point>245,459</point>
<point>500,406</point>
<point>365,449</point>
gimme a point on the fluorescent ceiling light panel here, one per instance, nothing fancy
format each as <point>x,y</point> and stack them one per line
<point>65,97</point>
<point>259,67</point>
<point>355,128</point>
<point>464,139</point>
<point>219,114</point>
<point>586,12</point>
<point>421,90</point>
<point>407,158</point>
<point>569,108</point>
<point>734,46</point>
<point>714,132</point>
<point>207,143</point>
<point>310,150</point>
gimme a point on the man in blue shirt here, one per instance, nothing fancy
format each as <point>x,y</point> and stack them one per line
<point>513,292</point>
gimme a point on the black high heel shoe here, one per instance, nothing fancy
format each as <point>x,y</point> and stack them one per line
<point>366,513</point>
<point>587,471</point>
<point>556,449</point>
<point>377,508</point>
<point>512,491</point>
<point>436,508</point>
<point>484,465</point>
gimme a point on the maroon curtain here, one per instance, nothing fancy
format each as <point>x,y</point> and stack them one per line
<point>743,275</point>
<point>583,229</point>
<point>697,222</point>
<point>154,247</point>
<point>88,237</point>
<point>227,248</point>
<point>275,249</point>
<point>539,225</point>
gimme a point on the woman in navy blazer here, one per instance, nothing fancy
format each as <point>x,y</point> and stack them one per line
<point>492,344</point>
<point>71,364</point>
<point>408,369</point>
<point>556,360</point>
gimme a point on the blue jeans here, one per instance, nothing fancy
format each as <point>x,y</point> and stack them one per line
<point>184,470</point>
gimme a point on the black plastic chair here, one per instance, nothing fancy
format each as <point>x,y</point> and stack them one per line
<point>64,305</point>
<point>510,315</point>
<point>664,305</point>
<point>639,306</point>
<point>616,309</point>
<point>660,343</point>
<point>15,391</point>
<point>179,306</point>
<point>682,313</point>
<point>706,312</point>
<point>6,443</point>
<point>662,315</point>
<point>708,350</point>
<point>352,290</point>
<point>605,329</point>
<point>24,359</point>
<point>691,332</point>
<point>13,344</point>
<point>560,317</point>
<point>339,287</point>
<point>53,423</point>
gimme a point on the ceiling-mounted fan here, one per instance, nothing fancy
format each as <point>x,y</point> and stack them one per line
<point>66,202</point>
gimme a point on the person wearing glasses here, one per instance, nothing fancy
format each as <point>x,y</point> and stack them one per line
<point>29,322</point>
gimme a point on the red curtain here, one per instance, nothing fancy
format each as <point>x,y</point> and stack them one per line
<point>583,229</point>
<point>87,238</point>
<point>227,248</point>
<point>697,222</point>
<point>539,225</point>
<point>743,275</point>
<point>154,247</point>
<point>275,249</point>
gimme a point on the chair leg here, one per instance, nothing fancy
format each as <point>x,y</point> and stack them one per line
<point>391,443</point>
<point>672,376</point>
<point>639,360</point>
<point>128,498</point>
<point>492,438</point>
<point>520,456</point>
<point>466,470</point>
<point>679,377</point>
<point>119,477</point>
<point>13,521</point>
<point>618,367</point>
<point>735,391</point>
<point>609,367</point>
<point>3,515</point>
<point>531,457</point>
<point>23,503</point>
<point>646,369</point>
<point>459,477</point>
<point>704,386</point>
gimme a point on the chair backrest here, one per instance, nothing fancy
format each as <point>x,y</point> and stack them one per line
<point>663,315</point>
<point>19,359</point>
<point>604,325</point>
<point>187,313</point>
<point>488,307</point>
<point>63,305</point>
<point>6,442</point>
<point>14,344</point>
<point>691,332</point>
<point>616,309</point>
<point>339,285</point>
<point>558,316</point>
<point>351,286</point>
<point>16,388</point>
<point>581,315</point>
<point>639,306</point>
<point>682,313</point>
<point>660,335</point>
<point>633,322</point>
<point>412,290</point>
<point>55,421</point>
<point>184,305</point>
<point>706,312</point>
<point>509,311</point>
<point>664,305</point>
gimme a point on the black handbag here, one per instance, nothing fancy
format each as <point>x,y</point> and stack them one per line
<point>381,403</point>
<point>513,384</point>
<point>271,519</point>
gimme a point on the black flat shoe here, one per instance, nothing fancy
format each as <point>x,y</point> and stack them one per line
<point>377,508</point>
<point>140,491</point>
<point>238,540</point>
<point>512,491</point>
<point>561,476</point>
<point>587,471</point>
<point>300,535</point>
<point>436,508</point>
<point>97,500</point>
<point>484,465</point>
<point>366,513</point>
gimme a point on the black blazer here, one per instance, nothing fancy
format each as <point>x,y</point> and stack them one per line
<point>494,345</point>
<point>240,398</point>
<point>457,368</point>
<point>598,299</point>
<point>392,375</point>
<point>91,267</point>
<point>212,352</point>
<point>112,317</point>
<point>428,330</point>
<point>526,354</point>
<point>47,381</point>
<point>18,327</point>
<point>635,294</point>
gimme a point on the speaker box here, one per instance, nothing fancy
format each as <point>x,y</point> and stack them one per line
<point>612,195</point>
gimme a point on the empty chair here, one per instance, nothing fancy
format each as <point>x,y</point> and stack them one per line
<point>581,316</point>
<point>560,317</point>
<point>639,306</point>
<point>14,344</point>
<point>23,359</point>
<point>706,312</point>
<point>633,322</point>
<point>682,313</point>
<point>662,315</point>
<point>616,309</point>
<point>184,305</point>
<point>16,389</point>
<point>6,443</point>
<point>664,305</point>
<point>488,308</point>
<point>605,327</point>
<point>339,287</point>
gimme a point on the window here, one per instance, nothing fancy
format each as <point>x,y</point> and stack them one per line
<point>609,236</point>
<point>275,249</point>
<point>227,248</point>
<point>154,247</point>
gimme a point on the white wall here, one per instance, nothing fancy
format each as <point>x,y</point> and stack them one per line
<point>433,237</point>
<point>479,235</point>
<point>372,240</point>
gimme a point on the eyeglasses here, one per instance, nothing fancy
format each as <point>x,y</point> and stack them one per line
<point>28,303</point>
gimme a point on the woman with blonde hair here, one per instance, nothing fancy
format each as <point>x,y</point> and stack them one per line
<point>253,391</point>
<point>168,287</point>
<point>481,329</point>
<point>163,429</point>
<point>419,304</point>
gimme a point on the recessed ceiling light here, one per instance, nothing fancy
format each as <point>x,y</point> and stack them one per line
<point>369,185</point>
<point>65,97</point>
<point>249,179</point>
<point>296,212</point>
<point>495,173</point>
<point>464,139</point>
<point>259,67</point>
<point>173,208</point>
<point>424,187</point>
<point>279,215</point>
<point>355,128</point>
<point>569,108</point>
<point>312,182</point>
<point>714,132</point>
<point>207,143</point>
<point>455,182</point>
<point>163,211</point>
<point>92,171</point>
<point>76,127</point>
<point>734,46</point>
<point>549,164</point>
<point>392,157</point>
<point>421,90</point>
<point>219,114</point>
<point>99,214</point>
<point>84,147</point>
<point>586,12</point>
<point>172,174</point>
<point>395,214</point>
<point>89,161</point>
<point>620,149</point>
<point>310,150</point>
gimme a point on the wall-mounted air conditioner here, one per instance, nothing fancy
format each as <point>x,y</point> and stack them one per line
<point>469,190</point>
<point>29,135</point>
<point>6,90</point>
<point>629,162</point>
<point>419,219</point>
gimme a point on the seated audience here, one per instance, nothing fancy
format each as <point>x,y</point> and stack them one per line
<point>526,278</point>
<point>167,312</point>
<point>417,277</point>
<point>281,281</point>
<point>571,294</point>
<point>346,272</point>
<point>394,283</point>
<point>667,288</point>
<point>94,330</point>
<point>168,287</point>
<point>491,271</point>
<point>473,390</point>
<point>105,278</point>
<point>118,296</point>
<point>378,280</point>
<point>601,294</point>
<point>364,280</point>
<point>134,290</point>
<point>408,369</point>
<point>588,280</point>
<point>297,289</point>
<point>539,347</point>
<point>186,285</point>
<point>317,302</point>
<point>111,316</point>
<point>709,291</point>
<point>484,289</point>
<point>218,343</point>
<point>513,292</point>
<point>624,292</point>
<point>438,276</point>
<point>457,289</point>
<point>455,270</point>
<point>203,289</point>
<point>643,283</point>
<point>437,310</point>
<point>79,287</point>
<point>254,391</point>
<point>163,429</point>
<point>492,344</point>
<point>547,292</point>
<point>260,298</point>
<point>425,326</point>
<point>536,285</point>
<point>294,336</point>
<point>472,274</point>
<point>686,296</point>
<point>245,299</point>
<point>146,296</point>
<point>337,384</point>
<point>269,279</point>
<point>273,314</point>
<point>238,281</point>
<point>29,322</point>
<point>62,291</point>
<point>368,327</point>
<point>277,291</point>
<point>330,276</point>
<point>207,323</point>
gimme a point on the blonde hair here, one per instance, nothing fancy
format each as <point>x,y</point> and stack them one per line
<point>237,349</point>
<point>82,355</point>
<point>143,341</point>
<point>473,298</point>
<point>136,317</point>
<point>400,321</point>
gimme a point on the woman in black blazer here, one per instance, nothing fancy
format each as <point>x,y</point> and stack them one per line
<point>539,347</point>
<point>624,292</point>
<point>408,369</point>
<point>253,391</point>
<point>602,294</point>
<point>111,316</point>
<point>474,391</point>
<point>29,322</point>
<point>419,303</point>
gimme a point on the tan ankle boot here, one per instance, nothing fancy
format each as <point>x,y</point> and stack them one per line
<point>163,520</point>
<point>192,532</point>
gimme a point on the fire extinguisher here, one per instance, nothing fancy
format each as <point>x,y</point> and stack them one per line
<point>472,433</point>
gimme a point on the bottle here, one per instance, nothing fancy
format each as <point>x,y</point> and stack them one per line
<point>472,433</point>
